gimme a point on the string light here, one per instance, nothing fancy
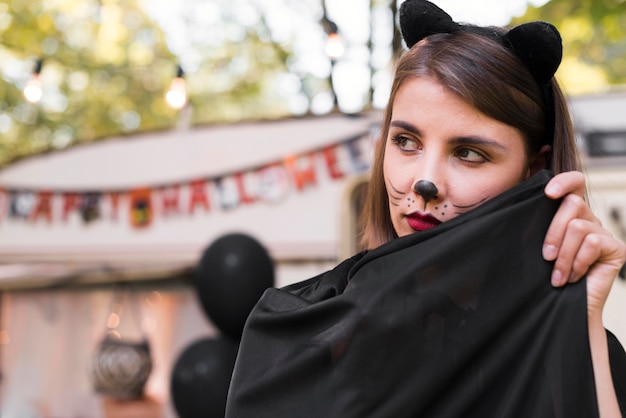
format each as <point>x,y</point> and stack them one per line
<point>33,91</point>
<point>334,43</point>
<point>334,50</point>
<point>176,96</point>
<point>334,46</point>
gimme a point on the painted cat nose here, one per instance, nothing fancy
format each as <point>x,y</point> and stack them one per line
<point>426,189</point>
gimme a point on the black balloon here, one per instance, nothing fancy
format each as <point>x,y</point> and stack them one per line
<point>201,376</point>
<point>233,273</point>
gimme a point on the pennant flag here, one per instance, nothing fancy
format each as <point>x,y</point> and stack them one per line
<point>22,204</point>
<point>71,202</point>
<point>170,202</point>
<point>90,206</point>
<point>140,208</point>
<point>114,202</point>
<point>228,196</point>
<point>244,197</point>
<point>270,183</point>
<point>330,157</point>
<point>302,170</point>
<point>4,203</point>
<point>43,207</point>
<point>198,196</point>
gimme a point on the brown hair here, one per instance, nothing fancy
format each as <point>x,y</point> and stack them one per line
<point>488,76</point>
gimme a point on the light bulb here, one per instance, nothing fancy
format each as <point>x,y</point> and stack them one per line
<point>176,96</point>
<point>334,46</point>
<point>33,91</point>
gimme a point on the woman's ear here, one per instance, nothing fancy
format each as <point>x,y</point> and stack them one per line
<point>539,161</point>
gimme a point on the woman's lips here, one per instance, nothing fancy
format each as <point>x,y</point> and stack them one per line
<point>421,221</point>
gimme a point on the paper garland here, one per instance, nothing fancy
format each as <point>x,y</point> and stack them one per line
<point>270,183</point>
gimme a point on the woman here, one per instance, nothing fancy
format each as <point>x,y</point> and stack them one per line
<point>448,313</point>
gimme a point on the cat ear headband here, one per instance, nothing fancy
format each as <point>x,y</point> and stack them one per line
<point>537,44</point>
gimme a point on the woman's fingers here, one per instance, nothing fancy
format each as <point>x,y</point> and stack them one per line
<point>571,182</point>
<point>573,217</point>
<point>584,244</point>
<point>588,249</point>
<point>577,242</point>
<point>560,186</point>
<point>609,254</point>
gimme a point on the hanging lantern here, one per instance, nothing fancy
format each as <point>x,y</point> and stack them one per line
<point>121,368</point>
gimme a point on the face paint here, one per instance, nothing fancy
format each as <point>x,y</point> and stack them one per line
<point>442,212</point>
<point>426,189</point>
<point>463,157</point>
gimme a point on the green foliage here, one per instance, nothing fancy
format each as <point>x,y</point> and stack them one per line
<point>594,41</point>
<point>106,68</point>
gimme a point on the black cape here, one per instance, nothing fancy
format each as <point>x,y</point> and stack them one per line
<point>457,321</point>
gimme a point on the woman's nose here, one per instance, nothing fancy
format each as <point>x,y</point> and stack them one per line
<point>426,189</point>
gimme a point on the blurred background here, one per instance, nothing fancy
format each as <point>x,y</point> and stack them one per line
<point>137,135</point>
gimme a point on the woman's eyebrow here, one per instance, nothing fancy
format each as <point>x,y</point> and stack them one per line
<point>462,140</point>
<point>476,140</point>
<point>405,125</point>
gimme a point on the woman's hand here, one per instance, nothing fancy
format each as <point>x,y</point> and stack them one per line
<point>579,244</point>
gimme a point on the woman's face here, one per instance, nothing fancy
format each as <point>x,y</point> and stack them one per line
<point>437,137</point>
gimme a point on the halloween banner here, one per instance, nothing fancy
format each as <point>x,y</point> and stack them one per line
<point>267,184</point>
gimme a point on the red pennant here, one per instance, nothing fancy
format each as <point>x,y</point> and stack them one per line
<point>170,202</point>
<point>302,176</point>
<point>198,195</point>
<point>330,157</point>
<point>4,203</point>
<point>114,198</point>
<point>244,197</point>
<point>71,202</point>
<point>43,207</point>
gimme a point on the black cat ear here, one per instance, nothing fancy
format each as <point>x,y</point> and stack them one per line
<point>420,18</point>
<point>539,46</point>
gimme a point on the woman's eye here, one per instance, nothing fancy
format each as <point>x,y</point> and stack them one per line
<point>470,155</point>
<point>405,144</point>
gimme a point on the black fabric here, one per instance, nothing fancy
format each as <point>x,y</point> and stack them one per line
<point>457,321</point>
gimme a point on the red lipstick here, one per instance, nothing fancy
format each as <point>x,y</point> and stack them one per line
<point>421,221</point>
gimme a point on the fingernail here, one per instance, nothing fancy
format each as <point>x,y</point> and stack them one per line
<point>553,189</point>
<point>556,278</point>
<point>549,252</point>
